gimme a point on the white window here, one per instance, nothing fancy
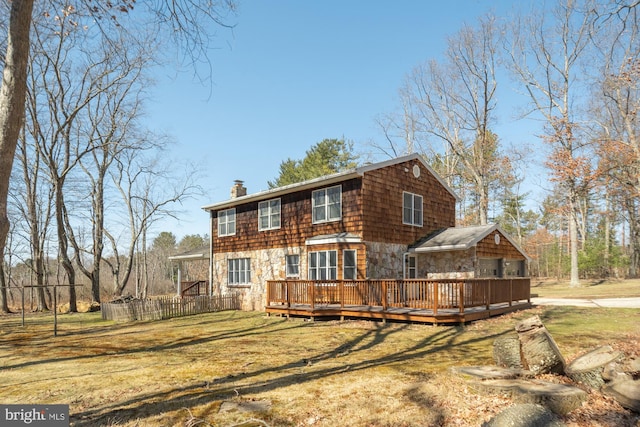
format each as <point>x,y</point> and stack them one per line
<point>411,209</point>
<point>293,265</point>
<point>327,204</point>
<point>227,222</point>
<point>412,267</point>
<point>323,265</point>
<point>239,271</point>
<point>349,267</point>
<point>269,215</point>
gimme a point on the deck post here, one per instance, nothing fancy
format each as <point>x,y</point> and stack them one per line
<point>488,294</point>
<point>461,295</point>
<point>288,291</point>
<point>313,295</point>
<point>436,291</point>
<point>268,293</point>
<point>341,293</point>
<point>385,296</point>
<point>510,292</point>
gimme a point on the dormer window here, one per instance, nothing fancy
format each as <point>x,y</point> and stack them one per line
<point>327,204</point>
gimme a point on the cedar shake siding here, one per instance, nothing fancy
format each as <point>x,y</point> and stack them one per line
<point>382,194</point>
<point>296,221</point>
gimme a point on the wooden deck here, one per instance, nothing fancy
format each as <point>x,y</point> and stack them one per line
<point>428,301</point>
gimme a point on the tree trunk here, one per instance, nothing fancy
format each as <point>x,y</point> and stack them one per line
<point>573,245</point>
<point>560,398</point>
<point>4,304</point>
<point>634,238</point>
<point>506,352</point>
<point>625,392</point>
<point>587,369</point>
<point>12,102</point>
<point>63,249</point>
<point>540,352</point>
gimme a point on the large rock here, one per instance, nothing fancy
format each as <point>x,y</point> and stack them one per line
<point>525,415</point>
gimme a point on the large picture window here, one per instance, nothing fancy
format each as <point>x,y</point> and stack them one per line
<point>327,204</point>
<point>349,265</point>
<point>239,271</point>
<point>227,222</point>
<point>269,215</point>
<point>411,209</point>
<point>323,265</point>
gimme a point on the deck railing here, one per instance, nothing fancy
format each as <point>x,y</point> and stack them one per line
<point>410,293</point>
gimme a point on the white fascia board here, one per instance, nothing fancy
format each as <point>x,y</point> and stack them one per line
<point>440,248</point>
<point>187,257</point>
<point>332,240</point>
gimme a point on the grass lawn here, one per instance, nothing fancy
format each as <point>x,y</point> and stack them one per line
<point>246,369</point>
<point>589,289</point>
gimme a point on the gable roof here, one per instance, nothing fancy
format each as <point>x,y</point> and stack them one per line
<point>459,239</point>
<point>325,180</point>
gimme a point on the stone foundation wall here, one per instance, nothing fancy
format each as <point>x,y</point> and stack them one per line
<point>447,265</point>
<point>384,260</point>
<point>267,264</point>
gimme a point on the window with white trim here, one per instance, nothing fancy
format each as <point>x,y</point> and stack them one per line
<point>411,209</point>
<point>239,271</point>
<point>412,267</point>
<point>326,204</point>
<point>293,265</point>
<point>269,215</point>
<point>323,265</point>
<point>227,222</point>
<point>349,264</point>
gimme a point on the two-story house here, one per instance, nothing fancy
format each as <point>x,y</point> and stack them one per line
<point>389,220</point>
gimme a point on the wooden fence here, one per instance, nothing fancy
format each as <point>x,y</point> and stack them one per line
<point>168,307</point>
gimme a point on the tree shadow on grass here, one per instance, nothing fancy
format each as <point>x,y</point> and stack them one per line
<point>299,371</point>
<point>101,344</point>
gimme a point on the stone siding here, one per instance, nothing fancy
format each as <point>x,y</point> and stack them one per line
<point>384,260</point>
<point>267,264</point>
<point>447,265</point>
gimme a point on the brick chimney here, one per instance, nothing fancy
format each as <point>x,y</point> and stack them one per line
<point>238,190</point>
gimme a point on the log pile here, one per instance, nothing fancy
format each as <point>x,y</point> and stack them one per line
<point>532,351</point>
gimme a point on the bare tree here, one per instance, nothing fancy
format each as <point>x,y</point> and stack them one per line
<point>545,51</point>
<point>448,110</point>
<point>616,103</point>
<point>12,98</point>
<point>188,22</point>
<point>149,190</point>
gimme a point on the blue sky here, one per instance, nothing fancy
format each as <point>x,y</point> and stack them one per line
<point>292,73</point>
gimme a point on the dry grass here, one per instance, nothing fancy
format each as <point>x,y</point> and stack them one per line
<point>246,369</point>
<point>589,289</point>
